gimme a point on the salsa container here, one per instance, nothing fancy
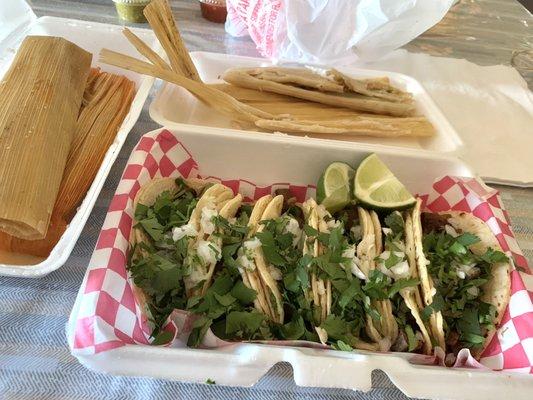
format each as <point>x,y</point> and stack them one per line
<point>17,21</point>
<point>106,331</point>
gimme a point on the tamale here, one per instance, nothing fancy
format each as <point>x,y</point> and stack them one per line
<point>106,102</point>
<point>41,97</point>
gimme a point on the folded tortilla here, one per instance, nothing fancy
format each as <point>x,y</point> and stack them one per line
<point>496,291</point>
<point>320,293</point>
<point>259,277</point>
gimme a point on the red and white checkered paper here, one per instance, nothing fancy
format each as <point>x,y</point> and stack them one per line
<point>109,316</point>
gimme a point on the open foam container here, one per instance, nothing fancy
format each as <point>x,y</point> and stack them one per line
<point>102,330</point>
<point>175,106</point>
<point>17,21</point>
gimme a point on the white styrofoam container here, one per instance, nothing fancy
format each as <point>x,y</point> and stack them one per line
<point>175,106</point>
<point>264,159</point>
<point>18,21</point>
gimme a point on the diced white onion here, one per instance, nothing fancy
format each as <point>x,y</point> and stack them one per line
<point>208,252</point>
<point>386,231</point>
<point>450,230</point>
<point>400,270</point>
<point>466,270</point>
<point>293,228</point>
<point>206,221</point>
<point>333,223</point>
<point>275,273</point>
<point>182,231</point>
<point>356,231</point>
<point>354,262</point>
<point>251,244</point>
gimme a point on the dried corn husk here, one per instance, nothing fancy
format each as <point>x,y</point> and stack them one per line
<point>306,117</point>
<point>106,101</point>
<point>159,15</point>
<point>213,97</point>
<point>41,98</point>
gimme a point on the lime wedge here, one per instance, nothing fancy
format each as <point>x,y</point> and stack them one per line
<point>333,188</point>
<point>376,187</point>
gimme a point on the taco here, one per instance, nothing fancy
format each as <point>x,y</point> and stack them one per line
<point>256,272</point>
<point>320,289</point>
<point>175,213</point>
<point>205,247</point>
<point>465,279</point>
<point>385,262</point>
<point>333,289</point>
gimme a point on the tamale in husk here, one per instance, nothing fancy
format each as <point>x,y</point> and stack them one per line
<point>106,102</point>
<point>41,96</point>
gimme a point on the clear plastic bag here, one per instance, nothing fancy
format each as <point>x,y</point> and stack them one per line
<point>332,31</point>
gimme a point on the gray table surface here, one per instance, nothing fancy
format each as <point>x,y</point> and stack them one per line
<point>34,358</point>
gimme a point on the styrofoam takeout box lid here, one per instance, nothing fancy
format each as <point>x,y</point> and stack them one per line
<point>264,159</point>
<point>92,37</point>
<point>174,105</point>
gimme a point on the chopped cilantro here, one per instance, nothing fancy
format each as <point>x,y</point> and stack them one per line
<point>242,293</point>
<point>294,329</point>
<point>162,338</point>
<point>412,340</point>
<point>459,296</point>
<point>395,222</point>
<point>244,323</point>
<point>340,345</point>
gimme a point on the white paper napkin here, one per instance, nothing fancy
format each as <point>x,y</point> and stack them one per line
<point>490,107</point>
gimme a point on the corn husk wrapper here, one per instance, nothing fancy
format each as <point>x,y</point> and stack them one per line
<point>106,101</point>
<point>41,98</point>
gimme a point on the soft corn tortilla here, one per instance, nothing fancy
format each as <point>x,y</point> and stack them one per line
<point>497,291</point>
<point>411,296</point>
<point>147,196</point>
<point>269,300</point>
<point>320,290</point>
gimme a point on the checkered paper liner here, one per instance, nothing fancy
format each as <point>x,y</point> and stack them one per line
<point>109,316</point>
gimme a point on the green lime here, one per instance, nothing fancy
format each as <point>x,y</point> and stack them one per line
<point>333,188</point>
<point>377,187</point>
